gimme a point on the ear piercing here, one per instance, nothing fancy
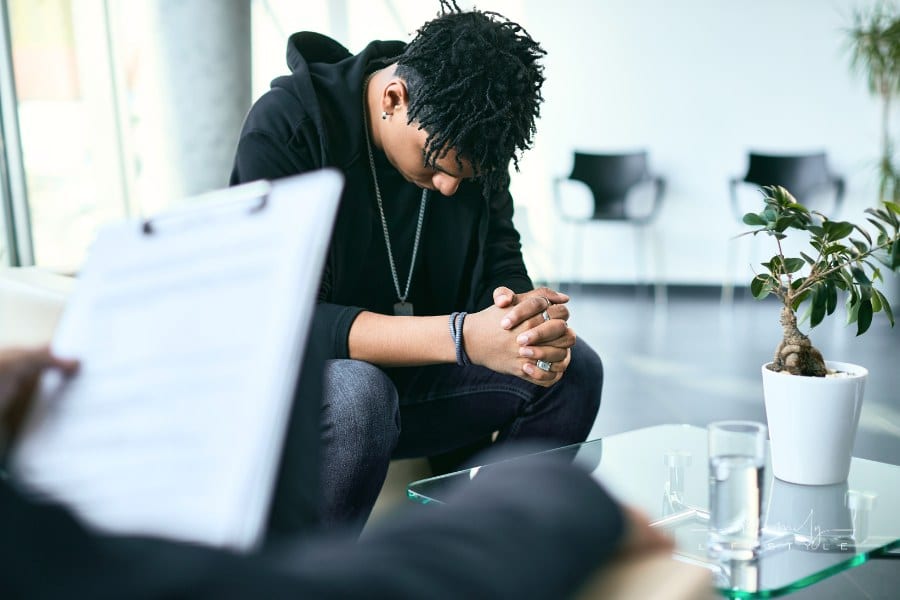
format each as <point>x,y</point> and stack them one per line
<point>384,116</point>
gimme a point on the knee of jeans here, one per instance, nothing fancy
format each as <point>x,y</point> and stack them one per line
<point>586,372</point>
<point>361,404</point>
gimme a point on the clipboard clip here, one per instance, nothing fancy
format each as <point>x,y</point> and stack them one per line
<point>256,192</point>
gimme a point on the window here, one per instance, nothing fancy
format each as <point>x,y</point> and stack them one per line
<point>68,126</point>
<point>104,129</point>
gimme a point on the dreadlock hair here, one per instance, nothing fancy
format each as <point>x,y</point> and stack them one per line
<point>474,84</point>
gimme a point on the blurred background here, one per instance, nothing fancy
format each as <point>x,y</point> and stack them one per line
<point>114,109</point>
<point>117,108</point>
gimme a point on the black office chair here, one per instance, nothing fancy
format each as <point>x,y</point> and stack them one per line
<point>804,175</point>
<point>610,178</point>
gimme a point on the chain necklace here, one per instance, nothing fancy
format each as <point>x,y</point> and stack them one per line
<point>403,307</point>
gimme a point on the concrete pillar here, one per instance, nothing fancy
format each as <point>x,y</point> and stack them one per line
<point>195,99</point>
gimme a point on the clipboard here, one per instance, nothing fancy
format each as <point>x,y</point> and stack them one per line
<point>190,328</point>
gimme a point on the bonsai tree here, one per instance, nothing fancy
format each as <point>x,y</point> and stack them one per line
<point>874,45</point>
<point>837,262</point>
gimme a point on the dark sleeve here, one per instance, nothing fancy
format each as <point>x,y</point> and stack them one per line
<point>503,263</point>
<point>259,156</point>
<point>534,528</point>
<point>278,140</point>
<point>46,553</point>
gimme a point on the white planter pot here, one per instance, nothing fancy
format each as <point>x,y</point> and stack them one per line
<point>812,423</point>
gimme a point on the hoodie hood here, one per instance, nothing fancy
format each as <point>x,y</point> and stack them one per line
<point>328,81</point>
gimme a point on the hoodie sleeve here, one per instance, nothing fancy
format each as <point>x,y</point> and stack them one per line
<point>261,156</point>
<point>503,263</point>
<point>500,536</point>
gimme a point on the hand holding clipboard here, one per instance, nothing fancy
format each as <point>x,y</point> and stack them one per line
<point>190,329</point>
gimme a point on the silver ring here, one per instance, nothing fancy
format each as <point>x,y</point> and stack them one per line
<point>543,365</point>
<point>549,304</point>
<point>546,315</point>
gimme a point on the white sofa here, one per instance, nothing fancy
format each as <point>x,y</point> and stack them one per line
<point>31,301</point>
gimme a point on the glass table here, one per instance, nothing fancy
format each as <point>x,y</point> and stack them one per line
<point>809,532</point>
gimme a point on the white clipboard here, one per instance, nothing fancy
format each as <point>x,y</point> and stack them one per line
<point>190,328</point>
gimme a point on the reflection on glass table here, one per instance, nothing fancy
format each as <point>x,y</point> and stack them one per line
<point>809,532</point>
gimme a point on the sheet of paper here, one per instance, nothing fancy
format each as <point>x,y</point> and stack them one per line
<point>190,339</point>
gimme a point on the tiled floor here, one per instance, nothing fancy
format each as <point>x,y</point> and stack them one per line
<point>695,361</point>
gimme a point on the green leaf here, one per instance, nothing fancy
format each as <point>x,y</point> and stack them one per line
<point>881,214</point>
<point>816,230</point>
<point>759,287</point>
<point>876,272</point>
<point>830,296</point>
<point>860,246</point>
<point>852,308</point>
<point>895,255</point>
<point>848,280</point>
<point>864,233</point>
<point>876,301</point>
<point>808,258</point>
<point>878,225</point>
<point>818,306</point>
<point>769,215</point>
<point>834,249</point>
<point>782,223</point>
<point>753,219</point>
<point>792,265</point>
<point>837,230</point>
<point>860,276</point>
<point>883,257</point>
<point>886,306</point>
<point>865,291</point>
<point>893,207</point>
<point>799,300</point>
<point>864,317</point>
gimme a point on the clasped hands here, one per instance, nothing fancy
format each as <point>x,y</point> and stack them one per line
<point>525,334</point>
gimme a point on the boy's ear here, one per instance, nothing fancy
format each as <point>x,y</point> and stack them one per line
<point>395,96</point>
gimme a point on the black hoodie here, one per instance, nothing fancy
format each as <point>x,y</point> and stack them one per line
<point>312,119</point>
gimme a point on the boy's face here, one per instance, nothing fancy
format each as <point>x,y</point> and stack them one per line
<point>404,145</point>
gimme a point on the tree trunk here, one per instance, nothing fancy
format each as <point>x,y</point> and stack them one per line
<point>796,354</point>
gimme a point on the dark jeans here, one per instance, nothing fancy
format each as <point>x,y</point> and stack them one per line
<point>372,415</point>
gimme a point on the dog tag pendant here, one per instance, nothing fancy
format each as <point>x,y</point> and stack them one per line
<point>403,309</point>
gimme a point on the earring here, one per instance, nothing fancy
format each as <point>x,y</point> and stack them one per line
<point>384,116</point>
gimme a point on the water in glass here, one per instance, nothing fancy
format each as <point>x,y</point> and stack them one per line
<point>735,496</point>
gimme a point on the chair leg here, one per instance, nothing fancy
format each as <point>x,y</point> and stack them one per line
<point>644,279</point>
<point>642,282</point>
<point>727,298</point>
<point>577,258</point>
<point>555,255</point>
<point>660,292</point>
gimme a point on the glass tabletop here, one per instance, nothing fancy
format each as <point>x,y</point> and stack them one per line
<point>809,532</point>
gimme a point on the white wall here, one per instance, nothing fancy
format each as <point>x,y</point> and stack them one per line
<point>698,83</point>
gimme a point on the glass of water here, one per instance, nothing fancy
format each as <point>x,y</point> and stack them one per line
<point>737,455</point>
